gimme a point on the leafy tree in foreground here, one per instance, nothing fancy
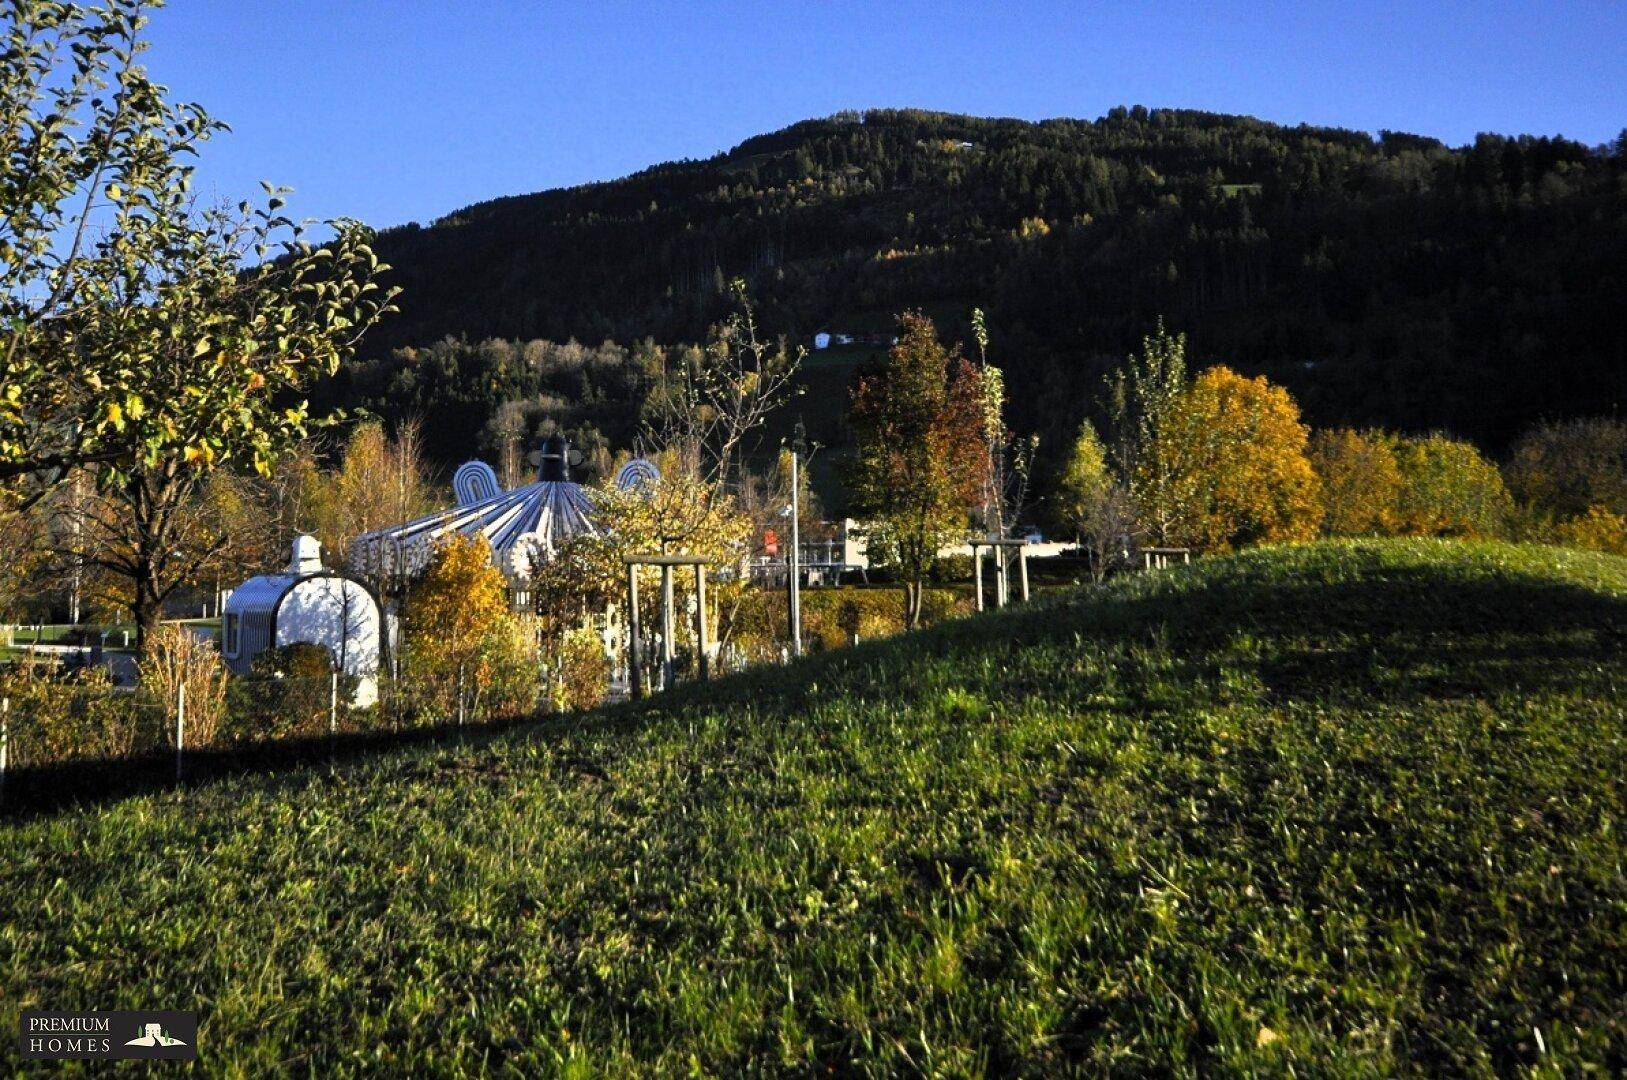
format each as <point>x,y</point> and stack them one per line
<point>131,336</point>
<point>921,461</point>
<point>1234,451</point>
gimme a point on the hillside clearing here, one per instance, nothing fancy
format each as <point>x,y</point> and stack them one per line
<point>1352,806</point>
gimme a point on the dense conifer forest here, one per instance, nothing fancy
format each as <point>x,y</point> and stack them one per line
<point>1383,279</point>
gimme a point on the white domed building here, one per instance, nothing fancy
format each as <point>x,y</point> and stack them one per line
<point>525,527</point>
<point>306,603</point>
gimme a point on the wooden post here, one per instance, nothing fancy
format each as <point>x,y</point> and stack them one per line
<point>667,651</point>
<point>635,687</point>
<point>1022,570</point>
<point>180,728</point>
<point>700,621</point>
<point>977,573</point>
<point>1001,591</point>
<point>460,695</point>
<point>795,564</point>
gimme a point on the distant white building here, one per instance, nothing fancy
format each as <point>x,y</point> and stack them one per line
<point>306,603</point>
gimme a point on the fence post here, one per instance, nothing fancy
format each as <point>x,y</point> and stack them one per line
<point>180,727</point>
<point>635,687</point>
<point>333,704</point>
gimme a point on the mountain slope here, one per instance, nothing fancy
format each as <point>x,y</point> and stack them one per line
<point>1390,280</point>
<point>1353,806</point>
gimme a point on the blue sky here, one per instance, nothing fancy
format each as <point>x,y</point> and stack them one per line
<point>405,110</point>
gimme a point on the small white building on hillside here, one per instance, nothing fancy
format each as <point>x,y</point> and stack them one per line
<point>306,603</point>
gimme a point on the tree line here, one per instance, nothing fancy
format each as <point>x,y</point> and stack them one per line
<point>1383,280</point>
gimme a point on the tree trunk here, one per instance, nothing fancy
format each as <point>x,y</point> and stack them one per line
<point>912,604</point>
<point>147,612</point>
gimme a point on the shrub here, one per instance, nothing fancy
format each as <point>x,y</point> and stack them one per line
<point>66,716</point>
<point>1597,530</point>
<point>756,629</point>
<point>1570,468</point>
<point>580,672</point>
<point>176,657</point>
<point>464,651</point>
<point>1448,488</point>
<point>1361,482</point>
<point>289,693</point>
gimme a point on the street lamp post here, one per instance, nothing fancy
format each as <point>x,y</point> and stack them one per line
<point>795,576</point>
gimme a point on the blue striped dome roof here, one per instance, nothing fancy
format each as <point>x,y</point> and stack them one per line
<point>524,527</point>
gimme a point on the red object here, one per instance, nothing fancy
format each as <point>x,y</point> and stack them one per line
<point>771,541</point>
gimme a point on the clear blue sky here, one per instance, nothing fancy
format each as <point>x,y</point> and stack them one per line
<point>398,110</point>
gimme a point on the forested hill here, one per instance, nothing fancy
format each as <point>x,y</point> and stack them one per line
<point>1386,279</point>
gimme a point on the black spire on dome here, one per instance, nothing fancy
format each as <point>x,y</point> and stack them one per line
<point>554,459</point>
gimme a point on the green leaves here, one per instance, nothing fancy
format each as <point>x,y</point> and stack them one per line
<point>135,346</point>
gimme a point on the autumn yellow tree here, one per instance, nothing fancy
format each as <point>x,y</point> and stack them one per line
<point>1448,488</point>
<point>1090,500</point>
<point>1361,483</point>
<point>464,650</point>
<point>1234,452</point>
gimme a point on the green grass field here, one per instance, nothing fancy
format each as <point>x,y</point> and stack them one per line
<point>1345,808</point>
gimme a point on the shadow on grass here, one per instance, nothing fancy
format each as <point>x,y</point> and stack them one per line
<point>46,789</point>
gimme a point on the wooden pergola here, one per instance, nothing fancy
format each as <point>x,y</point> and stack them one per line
<point>635,683</point>
<point>1002,563</point>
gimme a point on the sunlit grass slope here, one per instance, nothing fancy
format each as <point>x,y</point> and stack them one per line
<point>1354,807</point>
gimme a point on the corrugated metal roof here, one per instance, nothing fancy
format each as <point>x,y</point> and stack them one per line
<point>522,526</point>
<point>259,593</point>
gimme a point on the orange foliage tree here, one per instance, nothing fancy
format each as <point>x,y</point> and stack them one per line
<point>1235,451</point>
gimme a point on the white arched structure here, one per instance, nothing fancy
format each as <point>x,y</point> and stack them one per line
<point>306,603</point>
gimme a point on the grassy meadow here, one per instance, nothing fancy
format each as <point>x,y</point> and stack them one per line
<point>1350,808</point>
